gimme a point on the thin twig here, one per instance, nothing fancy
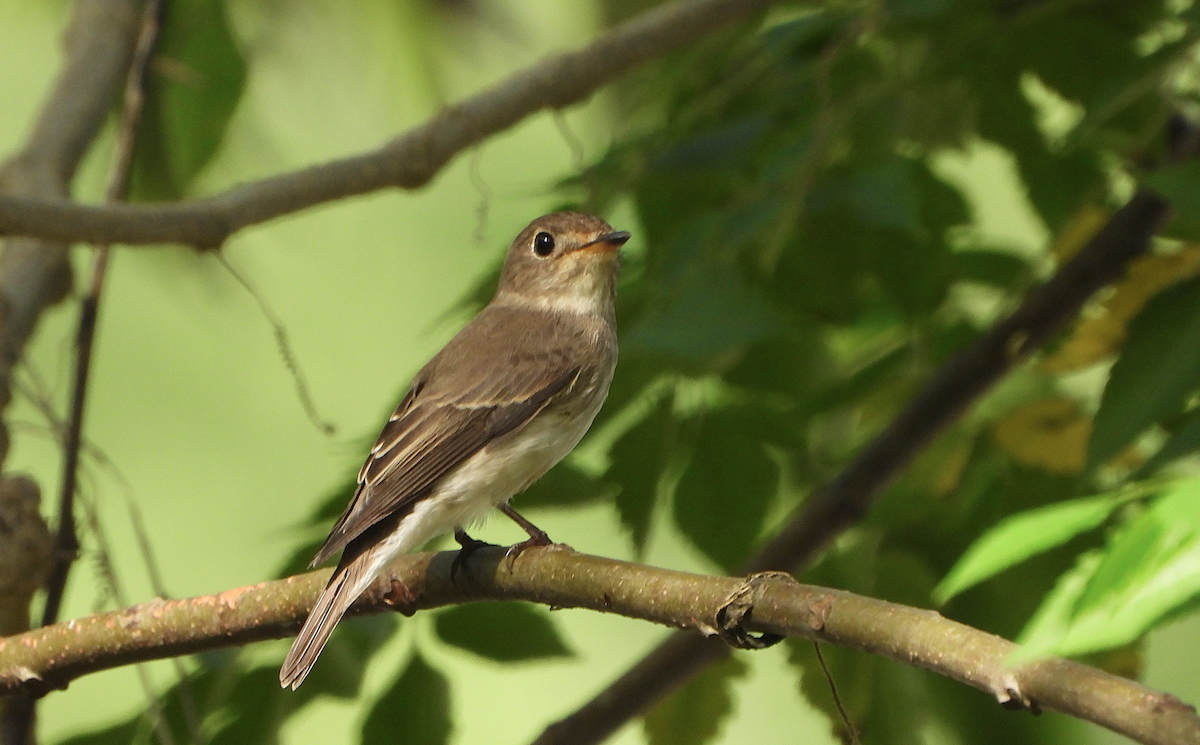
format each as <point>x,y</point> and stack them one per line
<point>484,205</point>
<point>556,576</point>
<point>67,540</point>
<point>191,715</point>
<point>21,713</point>
<point>108,575</point>
<point>574,144</point>
<point>837,699</point>
<point>284,344</point>
<point>408,162</point>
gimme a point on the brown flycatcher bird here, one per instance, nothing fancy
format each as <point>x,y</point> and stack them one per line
<point>505,400</point>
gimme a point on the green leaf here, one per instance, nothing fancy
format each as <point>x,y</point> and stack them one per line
<point>797,363</point>
<point>721,149</point>
<point>877,373</point>
<point>133,730</point>
<point>883,194</point>
<point>339,671</point>
<point>1185,440</point>
<point>1021,536</point>
<point>816,282</point>
<point>723,496</point>
<point>1180,184</point>
<point>206,691</point>
<point>504,632</point>
<point>1157,370</point>
<point>257,707</point>
<point>565,485</point>
<point>195,81</point>
<point>694,714</point>
<point>637,462</point>
<point>415,710</point>
<point>707,310</point>
<point>997,268</point>
<point>886,702</point>
<point>1148,570</point>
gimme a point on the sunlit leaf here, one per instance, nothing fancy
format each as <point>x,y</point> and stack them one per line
<point>1150,568</point>
<point>694,714</point>
<point>504,632</point>
<point>1019,537</point>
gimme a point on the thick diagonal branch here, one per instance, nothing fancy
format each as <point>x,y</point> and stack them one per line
<point>844,501</point>
<point>408,162</point>
<point>53,656</point>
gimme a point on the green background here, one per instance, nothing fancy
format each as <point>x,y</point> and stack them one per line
<point>193,407</point>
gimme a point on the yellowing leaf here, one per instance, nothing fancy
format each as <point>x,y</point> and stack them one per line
<point>940,468</point>
<point>1084,224</point>
<point>1101,335</point>
<point>952,469</point>
<point>1051,434</point>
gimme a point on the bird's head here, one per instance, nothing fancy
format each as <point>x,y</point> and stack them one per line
<point>566,262</point>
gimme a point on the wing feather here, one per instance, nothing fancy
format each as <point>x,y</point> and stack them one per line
<point>450,414</point>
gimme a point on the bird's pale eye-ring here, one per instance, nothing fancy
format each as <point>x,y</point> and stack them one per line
<point>543,244</point>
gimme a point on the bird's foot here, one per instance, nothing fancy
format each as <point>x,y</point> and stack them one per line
<point>469,546</point>
<point>536,537</point>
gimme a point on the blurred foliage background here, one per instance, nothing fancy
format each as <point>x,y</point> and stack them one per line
<point>827,204</point>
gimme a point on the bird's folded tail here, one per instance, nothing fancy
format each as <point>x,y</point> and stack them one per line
<point>347,583</point>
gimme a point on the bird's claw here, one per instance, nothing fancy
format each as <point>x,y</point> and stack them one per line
<point>535,539</point>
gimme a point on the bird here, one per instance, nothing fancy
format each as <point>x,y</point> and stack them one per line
<point>507,398</point>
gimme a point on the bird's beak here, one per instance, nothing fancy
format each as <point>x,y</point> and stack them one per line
<point>607,242</point>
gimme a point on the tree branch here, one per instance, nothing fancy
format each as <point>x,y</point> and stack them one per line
<point>408,162</point>
<point>89,311</point>
<point>770,603</point>
<point>35,274</point>
<point>846,499</point>
<point>962,380</point>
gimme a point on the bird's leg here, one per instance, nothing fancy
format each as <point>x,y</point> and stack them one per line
<point>469,546</point>
<point>537,536</point>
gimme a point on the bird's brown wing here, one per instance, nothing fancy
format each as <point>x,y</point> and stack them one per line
<point>446,417</point>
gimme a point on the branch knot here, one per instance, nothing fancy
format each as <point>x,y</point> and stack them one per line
<point>737,608</point>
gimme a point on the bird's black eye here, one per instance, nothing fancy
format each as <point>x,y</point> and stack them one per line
<point>543,244</point>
